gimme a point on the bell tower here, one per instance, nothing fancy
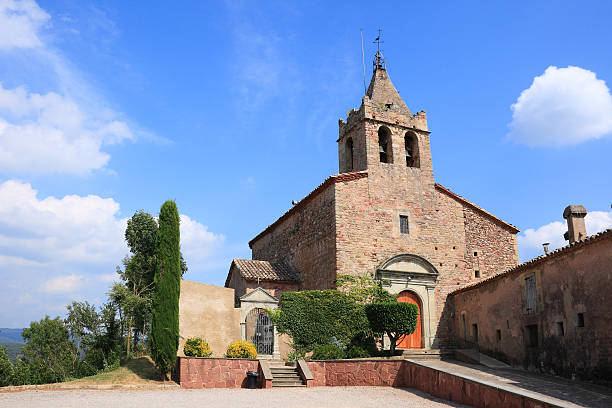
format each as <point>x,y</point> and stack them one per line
<point>383,135</point>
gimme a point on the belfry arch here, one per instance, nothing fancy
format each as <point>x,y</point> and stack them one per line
<point>406,273</point>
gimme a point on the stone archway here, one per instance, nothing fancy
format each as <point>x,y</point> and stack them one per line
<point>406,272</point>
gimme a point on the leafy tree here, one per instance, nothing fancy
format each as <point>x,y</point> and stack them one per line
<point>21,373</point>
<point>164,323</point>
<point>49,352</point>
<point>6,368</point>
<point>396,319</point>
<point>317,317</point>
<point>138,278</point>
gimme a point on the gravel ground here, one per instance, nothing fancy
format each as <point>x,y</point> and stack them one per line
<point>224,398</point>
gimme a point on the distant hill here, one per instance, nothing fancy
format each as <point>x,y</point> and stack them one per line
<point>10,335</point>
<point>12,349</point>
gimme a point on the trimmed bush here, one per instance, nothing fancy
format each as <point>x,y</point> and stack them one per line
<point>241,349</point>
<point>357,352</point>
<point>327,352</point>
<point>196,347</point>
<point>394,318</point>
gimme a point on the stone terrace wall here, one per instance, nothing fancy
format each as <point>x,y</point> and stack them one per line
<point>402,373</point>
<point>305,238</point>
<point>575,279</point>
<point>215,372</point>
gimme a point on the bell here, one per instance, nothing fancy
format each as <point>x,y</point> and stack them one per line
<point>409,153</point>
<point>381,148</point>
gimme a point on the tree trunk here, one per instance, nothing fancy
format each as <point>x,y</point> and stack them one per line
<point>129,340</point>
<point>392,341</point>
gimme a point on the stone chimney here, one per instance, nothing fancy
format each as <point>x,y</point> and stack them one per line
<point>576,231</point>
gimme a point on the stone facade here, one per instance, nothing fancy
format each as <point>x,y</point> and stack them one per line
<point>566,330</point>
<point>350,224</point>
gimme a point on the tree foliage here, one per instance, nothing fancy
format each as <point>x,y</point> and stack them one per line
<point>327,352</point>
<point>364,289</point>
<point>6,368</point>
<point>164,323</point>
<point>396,319</point>
<point>49,351</point>
<point>316,317</point>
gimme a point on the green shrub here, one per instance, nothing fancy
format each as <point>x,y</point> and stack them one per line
<point>296,355</point>
<point>327,352</point>
<point>393,318</point>
<point>357,352</point>
<point>241,349</point>
<point>314,317</point>
<point>197,347</point>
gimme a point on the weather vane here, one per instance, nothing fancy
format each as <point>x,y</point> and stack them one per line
<point>379,61</point>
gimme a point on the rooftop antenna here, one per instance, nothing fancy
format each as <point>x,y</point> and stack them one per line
<point>379,61</point>
<point>365,90</point>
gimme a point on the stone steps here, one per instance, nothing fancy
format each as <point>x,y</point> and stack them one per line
<point>286,377</point>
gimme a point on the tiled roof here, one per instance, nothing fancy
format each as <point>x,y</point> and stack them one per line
<point>336,178</point>
<point>607,234</point>
<point>264,270</point>
<point>477,208</point>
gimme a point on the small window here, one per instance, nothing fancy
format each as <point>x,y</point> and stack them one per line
<point>403,224</point>
<point>498,335</point>
<point>475,333</point>
<point>580,322</point>
<point>476,273</point>
<point>475,253</point>
<point>559,329</point>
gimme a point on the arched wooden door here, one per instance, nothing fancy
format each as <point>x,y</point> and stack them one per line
<point>413,340</point>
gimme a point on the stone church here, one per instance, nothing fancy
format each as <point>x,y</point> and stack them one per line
<point>383,215</point>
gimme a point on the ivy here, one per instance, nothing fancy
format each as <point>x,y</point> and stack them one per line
<point>316,317</point>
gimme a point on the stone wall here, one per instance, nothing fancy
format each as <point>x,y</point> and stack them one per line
<point>207,311</point>
<point>304,238</point>
<point>575,279</point>
<point>216,372</point>
<point>402,373</point>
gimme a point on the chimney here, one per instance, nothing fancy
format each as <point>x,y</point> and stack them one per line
<point>576,231</point>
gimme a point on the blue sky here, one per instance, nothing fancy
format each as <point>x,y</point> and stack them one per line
<point>231,109</point>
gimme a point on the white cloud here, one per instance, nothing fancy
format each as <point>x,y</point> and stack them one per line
<point>60,249</point>
<point>61,131</point>
<point>197,243</point>
<point>563,106</point>
<point>63,284</point>
<point>51,133</point>
<point>530,241</point>
<point>20,21</point>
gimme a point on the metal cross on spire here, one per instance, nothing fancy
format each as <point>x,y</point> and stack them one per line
<point>379,61</point>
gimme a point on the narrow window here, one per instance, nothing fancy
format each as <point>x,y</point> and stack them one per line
<point>349,154</point>
<point>530,294</point>
<point>465,333</point>
<point>475,253</point>
<point>498,335</point>
<point>410,148</point>
<point>476,273</point>
<point>559,329</point>
<point>384,145</point>
<point>475,333</point>
<point>403,224</point>
<point>580,322</point>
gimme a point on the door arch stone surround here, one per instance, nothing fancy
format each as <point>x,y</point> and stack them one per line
<point>414,273</point>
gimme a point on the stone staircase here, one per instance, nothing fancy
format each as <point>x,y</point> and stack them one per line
<point>286,376</point>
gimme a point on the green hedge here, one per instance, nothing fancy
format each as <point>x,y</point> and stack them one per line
<point>316,317</point>
<point>327,352</point>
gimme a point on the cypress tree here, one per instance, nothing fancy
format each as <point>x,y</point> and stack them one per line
<point>165,316</point>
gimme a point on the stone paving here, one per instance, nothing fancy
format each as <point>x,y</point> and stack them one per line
<point>332,397</point>
<point>546,387</point>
